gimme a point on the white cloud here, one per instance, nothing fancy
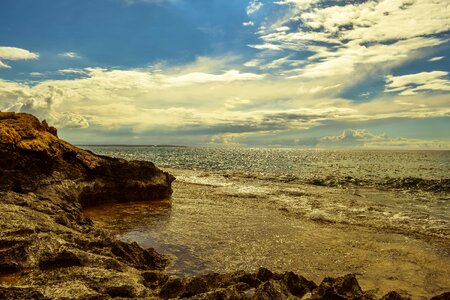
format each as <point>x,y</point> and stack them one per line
<point>71,120</point>
<point>352,40</point>
<point>266,47</point>
<point>413,83</point>
<point>364,138</point>
<point>303,4</point>
<point>351,136</point>
<point>13,53</point>
<point>196,78</point>
<point>210,95</point>
<point>253,63</point>
<point>282,28</point>
<point>72,55</point>
<point>437,58</point>
<point>253,7</point>
<point>354,58</point>
<point>127,97</point>
<point>375,21</point>
<point>36,74</point>
<point>72,71</point>
<point>4,66</point>
<point>131,2</point>
<point>248,24</point>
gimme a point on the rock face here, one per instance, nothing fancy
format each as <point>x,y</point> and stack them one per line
<point>46,244</point>
<point>33,158</point>
<point>50,250</point>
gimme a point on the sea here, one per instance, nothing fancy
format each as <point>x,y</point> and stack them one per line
<point>381,214</point>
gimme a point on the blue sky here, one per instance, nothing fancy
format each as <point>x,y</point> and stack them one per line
<point>288,73</point>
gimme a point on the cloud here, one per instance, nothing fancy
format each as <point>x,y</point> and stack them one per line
<point>12,53</point>
<point>3,65</point>
<point>437,58</point>
<point>353,136</point>
<point>297,3</point>
<point>197,77</point>
<point>71,120</point>
<point>198,95</point>
<point>348,138</point>
<point>266,47</point>
<point>132,2</point>
<point>353,59</point>
<point>282,28</point>
<point>36,74</point>
<point>377,21</point>
<point>253,7</point>
<point>72,55</point>
<point>364,138</point>
<point>248,24</point>
<point>206,98</point>
<point>413,83</point>
<point>72,71</point>
<point>337,39</point>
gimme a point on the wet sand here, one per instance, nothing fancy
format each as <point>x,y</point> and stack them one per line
<point>206,228</point>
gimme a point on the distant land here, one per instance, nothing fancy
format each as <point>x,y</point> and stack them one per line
<point>126,145</point>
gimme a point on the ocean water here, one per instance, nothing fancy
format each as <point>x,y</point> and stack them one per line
<point>362,167</point>
<point>384,215</point>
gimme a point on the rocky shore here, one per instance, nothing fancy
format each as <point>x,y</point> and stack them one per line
<point>50,250</point>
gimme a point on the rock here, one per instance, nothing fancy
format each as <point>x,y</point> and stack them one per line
<point>394,295</point>
<point>264,274</point>
<point>345,287</point>
<point>32,157</point>
<point>44,236</point>
<point>271,290</point>
<point>7,115</point>
<point>194,286</point>
<point>63,259</point>
<point>250,279</point>
<point>12,293</point>
<point>173,288</point>
<point>153,279</point>
<point>298,285</point>
<point>444,296</point>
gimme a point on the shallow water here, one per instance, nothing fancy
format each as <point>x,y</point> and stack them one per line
<point>384,215</point>
<point>218,225</point>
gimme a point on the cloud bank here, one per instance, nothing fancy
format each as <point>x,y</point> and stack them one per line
<point>304,59</point>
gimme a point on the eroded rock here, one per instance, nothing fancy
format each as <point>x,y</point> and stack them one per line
<point>44,185</point>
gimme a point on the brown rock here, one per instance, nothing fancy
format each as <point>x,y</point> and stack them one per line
<point>393,295</point>
<point>173,288</point>
<point>345,287</point>
<point>44,236</point>
<point>14,293</point>
<point>443,296</point>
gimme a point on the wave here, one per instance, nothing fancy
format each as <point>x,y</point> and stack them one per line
<point>407,183</point>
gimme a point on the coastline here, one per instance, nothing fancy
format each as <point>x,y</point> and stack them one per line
<point>50,250</point>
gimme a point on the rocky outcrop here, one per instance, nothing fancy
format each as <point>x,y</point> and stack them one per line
<point>46,243</point>
<point>33,158</point>
<point>50,250</point>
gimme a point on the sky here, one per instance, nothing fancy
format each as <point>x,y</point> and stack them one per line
<point>252,73</point>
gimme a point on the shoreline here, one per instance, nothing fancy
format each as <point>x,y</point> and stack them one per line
<point>217,218</point>
<point>50,250</point>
